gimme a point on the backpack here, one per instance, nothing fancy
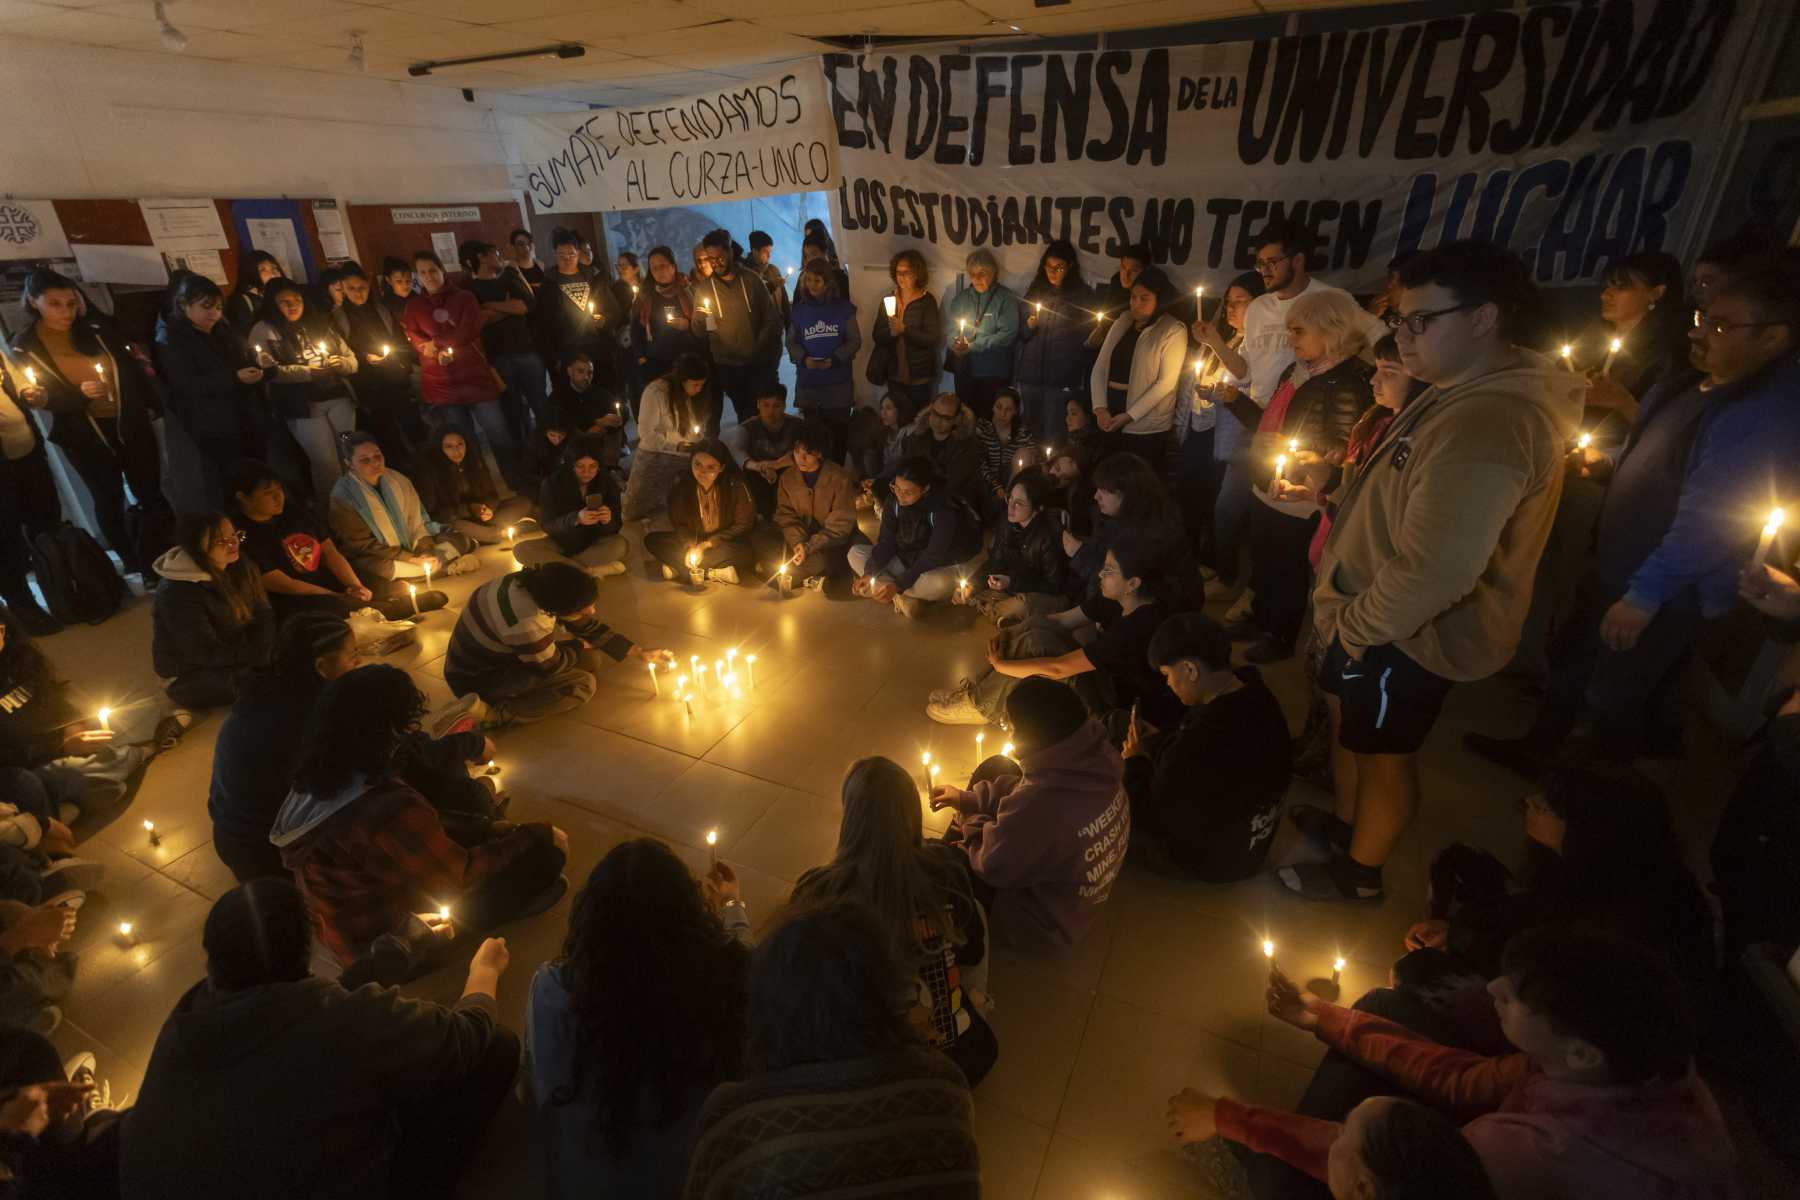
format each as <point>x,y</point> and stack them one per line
<point>75,575</point>
<point>151,527</point>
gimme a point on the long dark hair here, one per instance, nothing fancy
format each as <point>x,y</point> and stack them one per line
<point>22,664</point>
<point>437,477</point>
<point>1144,497</point>
<point>83,335</point>
<point>1072,280</point>
<point>357,726</point>
<point>883,863</point>
<point>1665,325</point>
<point>716,449</point>
<point>688,367</point>
<point>824,984</point>
<point>239,584</point>
<point>313,325</point>
<point>249,278</point>
<point>1251,282</point>
<point>657,991</point>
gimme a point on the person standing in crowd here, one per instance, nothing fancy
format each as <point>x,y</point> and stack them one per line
<point>370,853</point>
<point>985,319</point>
<point>944,435</point>
<point>457,490</point>
<point>662,319</point>
<point>1408,610</point>
<point>505,300</point>
<point>302,568</point>
<point>1112,299</point>
<point>743,333</point>
<point>456,382</point>
<point>905,357</point>
<point>929,544</point>
<point>768,445</point>
<point>580,513</point>
<point>211,380</point>
<point>306,367</point>
<point>576,310</point>
<point>28,504</point>
<point>1045,841</point>
<point>621,1046</point>
<point>815,514</point>
<point>678,409</point>
<point>713,515</point>
<point>1052,367</point>
<point>762,250</point>
<point>524,258</point>
<point>386,363</point>
<point>381,1094</point>
<point>376,516</point>
<point>817,244</point>
<point>1138,370</point>
<point>255,270</point>
<point>211,622</point>
<point>1026,573</point>
<point>96,402</point>
<point>823,342</point>
<point>1213,510</point>
<point>398,285</point>
<point>1704,457</point>
<point>1005,443</point>
<point>920,895</point>
<point>1315,406</point>
<point>1206,792</point>
<point>505,649</point>
<point>822,1025</point>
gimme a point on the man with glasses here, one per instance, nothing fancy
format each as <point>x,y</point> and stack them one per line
<point>945,435</point>
<point>741,326</point>
<point>1706,459</point>
<point>1427,572</point>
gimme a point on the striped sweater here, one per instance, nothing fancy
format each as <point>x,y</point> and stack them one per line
<point>502,629</point>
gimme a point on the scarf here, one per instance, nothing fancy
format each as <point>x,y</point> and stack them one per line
<point>387,521</point>
<point>677,291</point>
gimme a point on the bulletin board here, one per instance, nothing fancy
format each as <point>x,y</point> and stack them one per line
<point>378,234</point>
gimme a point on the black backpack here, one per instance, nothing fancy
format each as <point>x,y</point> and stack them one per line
<point>77,578</point>
<point>151,527</point>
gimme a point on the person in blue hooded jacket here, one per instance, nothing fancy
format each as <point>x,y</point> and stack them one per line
<point>823,342</point>
<point>984,321</point>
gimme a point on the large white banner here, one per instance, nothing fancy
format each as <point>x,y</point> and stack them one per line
<point>1572,132</point>
<point>766,137</point>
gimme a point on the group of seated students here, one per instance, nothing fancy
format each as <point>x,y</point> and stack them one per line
<point>1549,1016</point>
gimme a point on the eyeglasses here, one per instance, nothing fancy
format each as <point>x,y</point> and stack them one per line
<point>1416,322</point>
<point>1269,264</point>
<point>1712,325</point>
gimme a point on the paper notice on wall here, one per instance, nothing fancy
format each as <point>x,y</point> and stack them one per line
<point>331,230</point>
<point>30,229</point>
<point>278,236</point>
<point>122,264</point>
<point>209,263</point>
<point>444,243</point>
<point>183,224</point>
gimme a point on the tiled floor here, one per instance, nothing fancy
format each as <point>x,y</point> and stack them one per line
<point>1164,994</point>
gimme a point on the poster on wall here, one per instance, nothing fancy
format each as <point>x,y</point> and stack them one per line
<point>278,236</point>
<point>183,224</point>
<point>30,229</point>
<point>330,224</point>
<point>1574,133</point>
<point>764,137</point>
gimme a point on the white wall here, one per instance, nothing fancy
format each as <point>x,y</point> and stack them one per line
<point>85,121</point>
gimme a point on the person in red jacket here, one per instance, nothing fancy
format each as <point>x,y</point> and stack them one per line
<point>1600,1098</point>
<point>456,382</point>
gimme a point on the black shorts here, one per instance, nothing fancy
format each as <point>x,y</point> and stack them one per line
<point>1387,702</point>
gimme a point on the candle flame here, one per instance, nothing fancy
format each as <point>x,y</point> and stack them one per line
<point>1584,441</point>
<point>712,837</point>
<point>1776,519</point>
<point>149,826</point>
<point>104,714</point>
<point>925,758</point>
<point>1337,964</point>
<point>1268,948</point>
<point>125,928</point>
<point>1615,345</point>
<point>1567,350</point>
<point>443,912</point>
<point>1006,750</point>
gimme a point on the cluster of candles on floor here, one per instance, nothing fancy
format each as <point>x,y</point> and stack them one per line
<point>126,928</point>
<point>1337,962</point>
<point>725,679</point>
<point>430,565</point>
<point>928,770</point>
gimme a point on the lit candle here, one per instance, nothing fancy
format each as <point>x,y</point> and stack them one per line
<point>962,326</point>
<point>925,770</point>
<point>719,673</point>
<point>979,738</point>
<point>1612,350</point>
<point>750,670</point>
<point>31,375</point>
<point>1268,948</point>
<point>1006,751</point>
<point>680,685</point>
<point>1280,466</point>
<point>1337,970</point>
<point>1099,317</point>
<point>509,537</point>
<point>385,350</point>
<point>449,351</point>
<point>669,315</point>
<point>696,431</point>
<point>1770,529</point>
<point>150,832</point>
<point>891,304</point>
<point>413,593</point>
<point>688,703</point>
<point>100,370</point>
<point>706,307</point>
<point>790,272</point>
<point>1566,354</point>
<point>693,560</point>
<point>592,310</point>
<point>731,657</point>
<point>105,714</point>
<point>257,348</point>
<point>634,291</point>
<point>1037,308</point>
<point>1584,441</point>
<point>1293,445</point>
<point>125,933</point>
<point>694,664</point>
<point>655,690</point>
<point>430,566</point>
<point>321,348</point>
<point>443,912</point>
<point>712,846</point>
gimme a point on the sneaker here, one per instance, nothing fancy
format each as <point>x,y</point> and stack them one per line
<point>813,583</point>
<point>607,570</point>
<point>1207,573</point>
<point>723,574</point>
<point>1342,879</point>
<point>943,695</point>
<point>68,813</point>
<point>1516,754</point>
<point>958,709</point>
<point>1267,650</point>
<point>461,565</point>
<point>80,874</point>
<point>459,716</point>
<point>668,572</point>
<point>910,607</point>
<point>170,729</point>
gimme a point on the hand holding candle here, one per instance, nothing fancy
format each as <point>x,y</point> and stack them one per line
<point>1770,529</point>
<point>891,305</point>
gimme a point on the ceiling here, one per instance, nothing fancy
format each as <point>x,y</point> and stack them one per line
<point>637,50</point>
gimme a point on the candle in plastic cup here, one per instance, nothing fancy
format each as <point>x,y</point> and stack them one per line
<point>669,315</point>
<point>891,304</point>
<point>100,370</point>
<point>712,846</point>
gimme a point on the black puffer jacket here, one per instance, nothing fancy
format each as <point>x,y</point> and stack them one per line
<point>560,503</point>
<point>201,372</point>
<point>1325,408</point>
<point>1030,556</point>
<point>1055,354</point>
<point>191,627</point>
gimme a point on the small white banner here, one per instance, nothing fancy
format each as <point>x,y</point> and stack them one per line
<point>435,216</point>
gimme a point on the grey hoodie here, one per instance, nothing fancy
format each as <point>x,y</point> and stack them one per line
<point>304,812</point>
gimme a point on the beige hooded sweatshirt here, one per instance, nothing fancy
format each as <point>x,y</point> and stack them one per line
<point>1437,535</point>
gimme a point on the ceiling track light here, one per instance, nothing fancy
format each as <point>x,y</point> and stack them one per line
<point>172,38</point>
<point>560,50</point>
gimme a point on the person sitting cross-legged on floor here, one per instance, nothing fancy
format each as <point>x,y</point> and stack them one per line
<point>211,621</point>
<point>1044,846</point>
<point>1206,791</point>
<point>1026,573</point>
<point>579,512</point>
<point>929,543</point>
<point>381,525</point>
<point>371,853</point>
<point>1600,1097</point>
<point>267,1081</point>
<point>713,516</point>
<point>505,648</point>
<point>815,513</point>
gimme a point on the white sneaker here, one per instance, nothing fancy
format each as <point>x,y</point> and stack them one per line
<point>723,574</point>
<point>958,709</point>
<point>470,708</point>
<point>910,607</point>
<point>606,570</point>
<point>668,571</point>
<point>461,565</point>
<point>79,874</point>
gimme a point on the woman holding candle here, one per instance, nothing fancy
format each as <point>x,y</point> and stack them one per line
<point>457,490</point>
<point>255,270</point>
<point>713,515</point>
<point>1026,573</point>
<point>907,332</point>
<point>1053,359</point>
<point>675,406</point>
<point>1006,446</point>
<point>985,316</point>
<point>211,622</point>
<point>637,1020</point>
<point>662,319</point>
<point>211,378</point>
<point>920,896</point>
<point>94,402</point>
<point>1217,499</point>
<point>1132,388</point>
<point>306,367</point>
<point>823,342</point>
<point>386,365</point>
<point>580,513</point>
<point>456,382</point>
<point>378,519</point>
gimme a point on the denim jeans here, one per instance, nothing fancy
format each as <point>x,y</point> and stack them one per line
<point>523,375</point>
<point>494,430</point>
